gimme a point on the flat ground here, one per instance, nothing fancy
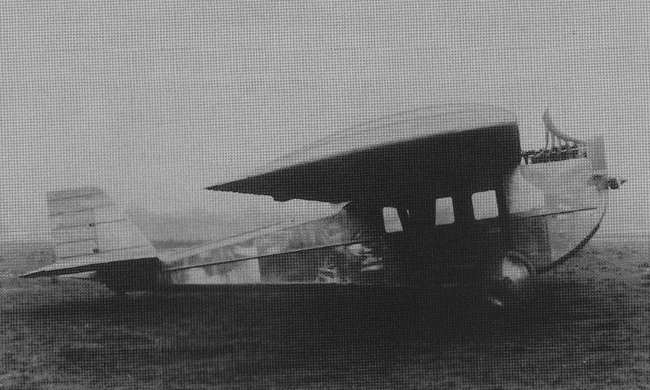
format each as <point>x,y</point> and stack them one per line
<point>587,327</point>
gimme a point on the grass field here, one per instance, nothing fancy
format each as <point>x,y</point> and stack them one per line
<point>587,326</point>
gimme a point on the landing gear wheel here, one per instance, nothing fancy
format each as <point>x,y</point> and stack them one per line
<point>512,288</point>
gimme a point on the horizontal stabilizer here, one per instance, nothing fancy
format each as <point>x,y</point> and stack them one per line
<point>91,263</point>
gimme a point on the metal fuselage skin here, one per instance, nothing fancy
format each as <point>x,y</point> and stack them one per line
<point>541,212</point>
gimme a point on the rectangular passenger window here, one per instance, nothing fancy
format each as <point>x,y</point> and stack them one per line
<point>485,205</point>
<point>444,211</point>
<point>391,220</point>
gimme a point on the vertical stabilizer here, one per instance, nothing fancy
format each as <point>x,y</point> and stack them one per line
<point>89,230</point>
<point>85,221</point>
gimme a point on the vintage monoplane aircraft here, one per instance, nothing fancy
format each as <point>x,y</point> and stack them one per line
<point>440,195</point>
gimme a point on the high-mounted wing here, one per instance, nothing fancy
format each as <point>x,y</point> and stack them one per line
<point>436,149</point>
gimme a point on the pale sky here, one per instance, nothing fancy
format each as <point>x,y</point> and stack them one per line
<point>153,101</point>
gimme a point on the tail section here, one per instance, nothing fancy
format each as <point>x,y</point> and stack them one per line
<point>91,233</point>
<point>86,222</point>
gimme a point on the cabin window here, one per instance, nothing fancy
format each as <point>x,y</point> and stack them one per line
<point>444,211</point>
<point>392,222</point>
<point>485,205</point>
